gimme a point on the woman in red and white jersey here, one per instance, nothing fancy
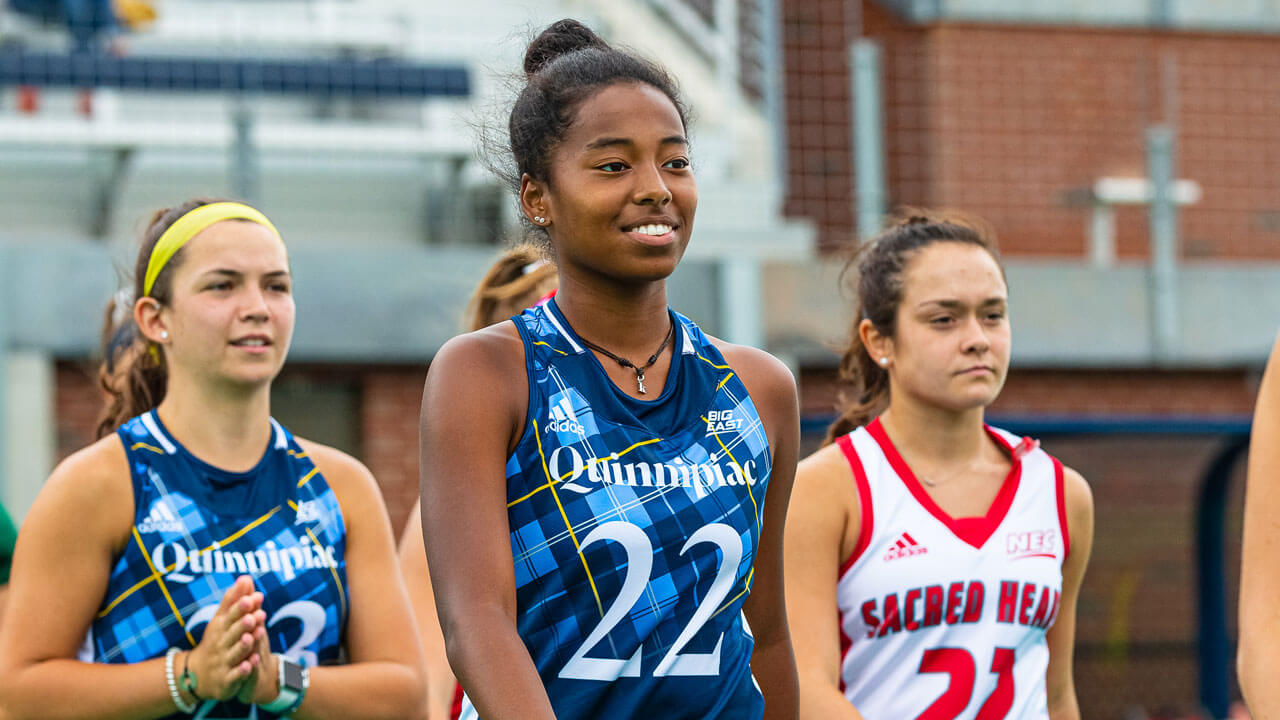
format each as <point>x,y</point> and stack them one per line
<point>951,551</point>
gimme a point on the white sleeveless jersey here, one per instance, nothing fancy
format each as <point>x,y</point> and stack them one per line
<point>945,618</point>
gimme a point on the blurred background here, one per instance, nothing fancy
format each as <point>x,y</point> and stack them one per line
<point>1126,151</point>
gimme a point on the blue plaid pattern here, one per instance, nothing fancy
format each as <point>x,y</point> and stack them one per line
<point>605,494</point>
<point>182,557</point>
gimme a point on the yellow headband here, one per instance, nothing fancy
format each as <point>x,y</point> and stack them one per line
<point>190,225</point>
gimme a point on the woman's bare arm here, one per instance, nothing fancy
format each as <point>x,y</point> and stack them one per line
<point>1059,680</point>
<point>1258,657</point>
<point>441,682</point>
<point>822,528</point>
<point>473,408</point>
<point>79,523</point>
<point>773,390</point>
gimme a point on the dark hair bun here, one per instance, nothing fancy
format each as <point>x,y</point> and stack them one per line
<point>561,38</point>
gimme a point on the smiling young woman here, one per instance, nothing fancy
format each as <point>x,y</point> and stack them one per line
<point>200,557</point>
<point>933,562</point>
<point>603,485</point>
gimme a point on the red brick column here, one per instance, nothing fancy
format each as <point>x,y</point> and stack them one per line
<point>391,401</point>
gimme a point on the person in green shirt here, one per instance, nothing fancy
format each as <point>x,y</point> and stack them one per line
<point>8,537</point>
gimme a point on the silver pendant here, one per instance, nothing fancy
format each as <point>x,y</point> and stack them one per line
<point>640,381</point>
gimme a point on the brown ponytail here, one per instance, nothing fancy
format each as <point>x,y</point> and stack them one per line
<point>880,265</point>
<point>133,372</point>
<point>517,279</point>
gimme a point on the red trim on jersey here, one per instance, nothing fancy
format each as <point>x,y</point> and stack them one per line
<point>455,711</point>
<point>973,530</point>
<point>864,504</point>
<point>1060,485</point>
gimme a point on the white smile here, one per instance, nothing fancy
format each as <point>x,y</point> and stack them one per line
<point>251,342</point>
<point>654,230</point>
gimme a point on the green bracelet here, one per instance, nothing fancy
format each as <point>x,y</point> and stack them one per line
<point>187,680</point>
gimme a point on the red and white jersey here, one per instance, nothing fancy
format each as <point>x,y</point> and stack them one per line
<point>945,618</point>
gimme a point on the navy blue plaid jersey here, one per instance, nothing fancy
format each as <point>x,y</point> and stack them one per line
<point>634,528</point>
<point>197,528</point>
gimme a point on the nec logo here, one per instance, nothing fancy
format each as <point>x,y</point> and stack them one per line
<point>1034,543</point>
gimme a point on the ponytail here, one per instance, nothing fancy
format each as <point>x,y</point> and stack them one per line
<point>870,388</point>
<point>133,373</point>
<point>517,279</point>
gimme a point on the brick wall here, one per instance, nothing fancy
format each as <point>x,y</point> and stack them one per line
<point>77,402</point>
<point>1194,393</point>
<point>818,111</point>
<point>1006,121</point>
<point>389,413</point>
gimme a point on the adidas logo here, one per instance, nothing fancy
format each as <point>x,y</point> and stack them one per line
<point>906,546</point>
<point>562,420</point>
<point>162,518</point>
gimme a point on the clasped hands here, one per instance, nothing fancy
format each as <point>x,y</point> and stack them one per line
<point>233,659</point>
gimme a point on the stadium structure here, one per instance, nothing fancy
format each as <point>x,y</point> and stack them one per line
<point>1126,151</point>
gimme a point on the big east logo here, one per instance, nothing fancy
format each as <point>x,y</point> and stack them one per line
<point>722,421</point>
<point>1035,543</point>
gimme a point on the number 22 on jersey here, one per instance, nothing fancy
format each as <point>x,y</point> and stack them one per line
<point>639,551</point>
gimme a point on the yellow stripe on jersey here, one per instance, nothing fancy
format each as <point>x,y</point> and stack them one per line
<point>718,367</point>
<point>722,382</point>
<point>569,526</point>
<point>144,446</point>
<point>741,472</point>
<point>342,594</point>
<point>136,586</point>
<point>156,574</point>
<point>236,535</point>
<point>297,454</point>
<point>168,569</point>
<point>539,342</point>
<point>745,587</point>
<point>594,461</point>
<point>307,478</point>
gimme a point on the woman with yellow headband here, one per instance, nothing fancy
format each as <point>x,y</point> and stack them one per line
<point>200,559</point>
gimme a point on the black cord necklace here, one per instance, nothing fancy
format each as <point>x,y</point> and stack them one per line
<point>671,331</point>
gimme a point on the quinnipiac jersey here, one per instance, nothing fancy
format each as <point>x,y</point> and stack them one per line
<point>944,618</point>
<point>634,528</point>
<point>197,528</point>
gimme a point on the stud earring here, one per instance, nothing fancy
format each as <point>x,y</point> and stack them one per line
<point>164,334</point>
<point>884,362</point>
<point>539,219</point>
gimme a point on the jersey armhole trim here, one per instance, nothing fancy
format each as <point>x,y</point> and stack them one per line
<point>867,524</point>
<point>530,386</point>
<point>1060,491</point>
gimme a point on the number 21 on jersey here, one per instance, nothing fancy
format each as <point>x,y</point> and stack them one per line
<point>959,665</point>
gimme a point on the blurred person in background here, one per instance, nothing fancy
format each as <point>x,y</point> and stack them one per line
<point>8,536</point>
<point>1258,657</point>
<point>199,557</point>
<point>933,562</point>
<point>94,26</point>
<point>519,278</point>
<point>604,486</point>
